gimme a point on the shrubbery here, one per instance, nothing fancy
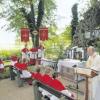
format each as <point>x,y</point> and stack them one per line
<point>6,54</point>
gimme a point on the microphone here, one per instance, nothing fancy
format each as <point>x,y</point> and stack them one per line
<point>74,66</point>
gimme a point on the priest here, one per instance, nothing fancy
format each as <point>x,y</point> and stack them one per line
<point>93,63</point>
<point>33,56</point>
<point>40,53</point>
<point>14,60</point>
<point>1,66</point>
<point>25,53</point>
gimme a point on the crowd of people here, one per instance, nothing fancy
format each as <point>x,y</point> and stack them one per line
<point>33,54</point>
<point>46,78</point>
<point>21,65</point>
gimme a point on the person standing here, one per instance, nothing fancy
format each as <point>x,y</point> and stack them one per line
<point>14,59</point>
<point>25,53</point>
<point>33,56</point>
<point>40,53</point>
<point>1,66</point>
<point>93,63</point>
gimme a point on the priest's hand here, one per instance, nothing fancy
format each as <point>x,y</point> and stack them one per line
<point>93,74</point>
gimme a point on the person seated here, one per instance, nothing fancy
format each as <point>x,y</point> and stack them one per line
<point>37,75</point>
<point>22,66</point>
<point>25,53</point>
<point>46,78</point>
<point>1,66</point>
<point>57,85</point>
<point>14,59</point>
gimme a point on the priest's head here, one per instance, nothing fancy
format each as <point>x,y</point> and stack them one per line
<point>90,50</point>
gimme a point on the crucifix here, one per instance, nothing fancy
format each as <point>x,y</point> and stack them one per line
<point>25,35</point>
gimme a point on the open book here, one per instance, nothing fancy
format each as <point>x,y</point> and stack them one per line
<point>83,71</point>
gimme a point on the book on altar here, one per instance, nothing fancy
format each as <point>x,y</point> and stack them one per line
<point>83,71</point>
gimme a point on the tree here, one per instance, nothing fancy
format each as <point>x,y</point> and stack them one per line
<point>93,2</point>
<point>57,44</point>
<point>24,13</point>
<point>74,22</point>
<point>32,24</point>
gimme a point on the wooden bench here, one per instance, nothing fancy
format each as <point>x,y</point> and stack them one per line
<point>14,72</point>
<point>37,93</point>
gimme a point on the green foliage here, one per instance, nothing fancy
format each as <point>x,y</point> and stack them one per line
<point>1,1</point>
<point>98,46</point>
<point>74,22</point>
<point>56,45</point>
<point>93,2</point>
<point>90,21</point>
<point>11,11</point>
<point>28,13</point>
<point>6,54</point>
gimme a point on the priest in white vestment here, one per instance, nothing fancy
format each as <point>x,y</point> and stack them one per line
<point>93,63</point>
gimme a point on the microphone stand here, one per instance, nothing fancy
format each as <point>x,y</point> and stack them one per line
<point>77,87</point>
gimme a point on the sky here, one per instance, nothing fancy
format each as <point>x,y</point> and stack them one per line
<point>7,38</point>
<point>64,12</point>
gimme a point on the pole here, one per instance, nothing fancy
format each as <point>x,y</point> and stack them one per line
<point>77,84</point>
<point>87,92</point>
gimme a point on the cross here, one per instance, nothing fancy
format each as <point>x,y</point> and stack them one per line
<point>25,35</point>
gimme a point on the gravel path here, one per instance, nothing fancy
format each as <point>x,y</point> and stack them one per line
<point>10,91</point>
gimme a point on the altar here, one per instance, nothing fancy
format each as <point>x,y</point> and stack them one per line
<point>49,62</point>
<point>66,68</point>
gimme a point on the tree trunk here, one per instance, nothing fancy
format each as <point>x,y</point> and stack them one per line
<point>32,24</point>
<point>35,40</point>
<point>32,36</point>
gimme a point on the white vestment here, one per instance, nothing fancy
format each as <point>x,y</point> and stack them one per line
<point>25,56</point>
<point>33,55</point>
<point>94,83</point>
<point>1,66</point>
<point>40,53</point>
<point>25,74</point>
<point>13,62</point>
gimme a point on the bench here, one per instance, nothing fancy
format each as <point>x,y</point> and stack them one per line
<point>37,93</point>
<point>14,72</point>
